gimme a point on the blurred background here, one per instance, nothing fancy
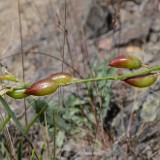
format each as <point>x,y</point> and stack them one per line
<point>87,121</point>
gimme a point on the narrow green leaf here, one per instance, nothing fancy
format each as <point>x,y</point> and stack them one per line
<point>20,151</point>
<point>4,122</point>
<point>33,155</point>
<point>35,118</point>
<point>3,151</point>
<point>60,138</point>
<point>11,113</point>
<point>42,152</point>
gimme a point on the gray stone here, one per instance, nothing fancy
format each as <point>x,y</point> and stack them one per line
<point>98,21</point>
<point>156,25</point>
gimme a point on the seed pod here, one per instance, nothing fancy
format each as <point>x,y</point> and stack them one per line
<point>8,77</point>
<point>142,80</point>
<point>17,94</point>
<point>62,78</point>
<point>42,88</point>
<point>125,61</point>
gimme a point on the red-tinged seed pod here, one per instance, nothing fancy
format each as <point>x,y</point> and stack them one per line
<point>42,88</point>
<point>125,61</point>
<point>17,94</point>
<point>8,77</point>
<point>61,78</point>
<point>142,80</point>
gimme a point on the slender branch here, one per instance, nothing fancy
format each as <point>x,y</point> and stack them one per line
<point>65,34</point>
<point>21,37</point>
<point>76,81</point>
<point>122,77</point>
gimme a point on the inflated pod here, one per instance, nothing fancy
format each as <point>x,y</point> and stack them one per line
<point>17,94</point>
<point>142,80</point>
<point>42,88</point>
<point>125,61</point>
<point>62,78</point>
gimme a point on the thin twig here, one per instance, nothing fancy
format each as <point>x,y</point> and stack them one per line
<point>22,53</point>
<point>65,33</point>
<point>122,77</point>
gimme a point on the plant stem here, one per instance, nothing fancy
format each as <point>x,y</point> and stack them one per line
<point>76,81</point>
<point>122,77</point>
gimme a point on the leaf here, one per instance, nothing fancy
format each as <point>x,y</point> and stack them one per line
<point>60,138</point>
<point>38,104</point>
<point>72,111</point>
<point>18,125</point>
<point>35,118</point>
<point>91,117</point>
<point>103,87</point>
<point>62,124</point>
<point>33,155</point>
<point>3,151</point>
<point>5,122</point>
<point>19,151</point>
<point>75,101</point>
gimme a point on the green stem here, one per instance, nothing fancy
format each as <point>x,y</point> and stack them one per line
<point>122,77</point>
<point>76,81</point>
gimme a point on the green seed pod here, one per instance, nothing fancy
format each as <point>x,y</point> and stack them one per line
<point>8,77</point>
<point>61,78</point>
<point>142,80</point>
<point>125,61</point>
<point>17,94</point>
<point>42,88</point>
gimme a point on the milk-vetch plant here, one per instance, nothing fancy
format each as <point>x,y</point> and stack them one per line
<point>49,85</point>
<point>132,62</point>
<point>142,78</point>
<point>61,78</point>
<point>17,94</point>
<point>126,61</point>
<point>42,88</point>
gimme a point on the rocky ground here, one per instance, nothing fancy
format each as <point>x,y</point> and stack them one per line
<point>95,29</point>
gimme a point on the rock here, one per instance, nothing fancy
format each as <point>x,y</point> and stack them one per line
<point>98,21</point>
<point>156,25</point>
<point>124,35</point>
<point>150,108</point>
<point>128,32</point>
<point>154,37</point>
